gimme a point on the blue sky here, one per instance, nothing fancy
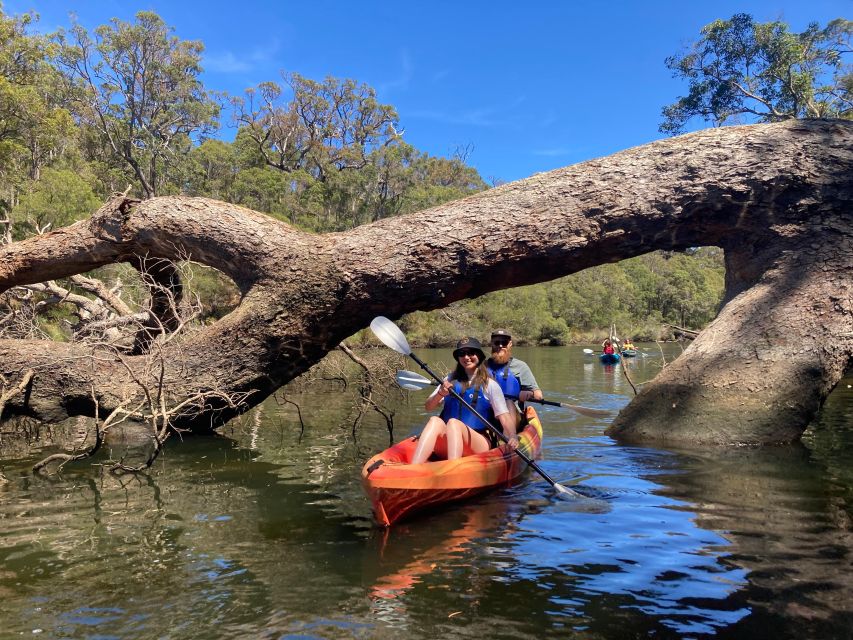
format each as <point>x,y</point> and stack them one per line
<point>530,86</point>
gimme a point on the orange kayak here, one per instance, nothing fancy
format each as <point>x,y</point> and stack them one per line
<point>397,489</point>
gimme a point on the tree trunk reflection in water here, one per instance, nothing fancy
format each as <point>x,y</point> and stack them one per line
<point>265,530</point>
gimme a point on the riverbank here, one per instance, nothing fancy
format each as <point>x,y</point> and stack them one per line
<point>445,335</point>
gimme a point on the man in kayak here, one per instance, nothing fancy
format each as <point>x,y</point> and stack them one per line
<point>513,375</point>
<point>457,431</point>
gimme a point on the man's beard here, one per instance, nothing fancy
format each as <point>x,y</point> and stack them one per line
<point>501,358</point>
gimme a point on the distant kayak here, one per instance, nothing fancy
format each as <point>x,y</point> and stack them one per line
<point>609,358</point>
<point>629,353</point>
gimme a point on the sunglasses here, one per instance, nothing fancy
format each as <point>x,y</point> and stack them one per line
<point>500,343</point>
<point>470,353</point>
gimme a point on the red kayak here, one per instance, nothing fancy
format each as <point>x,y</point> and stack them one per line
<point>397,489</point>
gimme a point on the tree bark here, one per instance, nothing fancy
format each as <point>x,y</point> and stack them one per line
<point>777,198</point>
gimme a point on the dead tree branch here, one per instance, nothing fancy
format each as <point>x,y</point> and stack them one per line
<point>64,458</point>
<point>149,400</point>
<point>368,381</point>
<point>8,394</point>
<point>689,333</point>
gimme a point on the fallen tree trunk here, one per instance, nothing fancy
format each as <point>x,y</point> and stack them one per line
<point>776,197</point>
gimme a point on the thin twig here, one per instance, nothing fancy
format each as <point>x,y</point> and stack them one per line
<point>627,377</point>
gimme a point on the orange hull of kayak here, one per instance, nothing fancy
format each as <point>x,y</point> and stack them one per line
<point>396,488</point>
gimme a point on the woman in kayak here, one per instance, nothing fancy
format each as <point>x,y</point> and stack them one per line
<point>457,431</point>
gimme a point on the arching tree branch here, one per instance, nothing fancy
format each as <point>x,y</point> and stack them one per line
<point>777,198</point>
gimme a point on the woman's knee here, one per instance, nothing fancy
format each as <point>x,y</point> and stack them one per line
<point>456,425</point>
<point>475,442</point>
<point>434,425</point>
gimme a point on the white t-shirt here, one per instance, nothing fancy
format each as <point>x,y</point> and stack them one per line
<point>493,393</point>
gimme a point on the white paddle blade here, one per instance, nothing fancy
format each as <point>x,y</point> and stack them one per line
<point>412,381</point>
<point>390,335</point>
<point>569,493</point>
<point>588,352</point>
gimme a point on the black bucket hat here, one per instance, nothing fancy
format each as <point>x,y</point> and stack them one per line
<point>469,343</point>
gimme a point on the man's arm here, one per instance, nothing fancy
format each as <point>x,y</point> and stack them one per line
<point>522,371</point>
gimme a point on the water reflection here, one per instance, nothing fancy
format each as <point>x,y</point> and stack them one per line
<point>783,530</point>
<point>265,532</point>
<point>407,554</point>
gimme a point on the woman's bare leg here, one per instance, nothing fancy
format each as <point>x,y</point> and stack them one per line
<point>426,442</point>
<point>455,433</point>
<point>474,442</point>
<point>463,441</point>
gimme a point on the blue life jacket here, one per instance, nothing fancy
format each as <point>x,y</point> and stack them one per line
<point>509,384</point>
<point>473,396</point>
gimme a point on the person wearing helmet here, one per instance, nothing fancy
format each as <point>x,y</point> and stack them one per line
<point>457,431</point>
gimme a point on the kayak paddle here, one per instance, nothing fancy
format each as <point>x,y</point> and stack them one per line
<point>413,382</point>
<point>391,336</point>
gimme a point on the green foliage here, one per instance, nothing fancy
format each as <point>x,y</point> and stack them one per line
<point>762,71</point>
<point>325,126</point>
<point>56,322</point>
<point>33,123</point>
<point>434,181</point>
<point>640,296</point>
<point>57,199</point>
<point>340,155</point>
<point>261,189</point>
<point>219,294</point>
<point>212,168</point>
<point>138,87</point>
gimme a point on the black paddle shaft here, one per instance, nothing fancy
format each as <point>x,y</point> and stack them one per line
<point>550,403</point>
<point>497,432</point>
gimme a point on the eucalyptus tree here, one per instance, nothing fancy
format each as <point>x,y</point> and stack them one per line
<point>33,123</point>
<point>212,167</point>
<point>324,126</point>
<point>740,69</point>
<point>316,133</point>
<point>437,180</point>
<point>58,198</point>
<point>137,85</point>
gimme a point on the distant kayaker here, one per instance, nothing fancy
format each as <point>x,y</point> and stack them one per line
<point>513,375</point>
<point>628,345</point>
<point>457,432</point>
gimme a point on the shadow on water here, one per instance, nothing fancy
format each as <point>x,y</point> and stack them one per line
<point>786,528</point>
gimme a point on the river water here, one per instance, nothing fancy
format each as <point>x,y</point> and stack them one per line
<point>264,532</point>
